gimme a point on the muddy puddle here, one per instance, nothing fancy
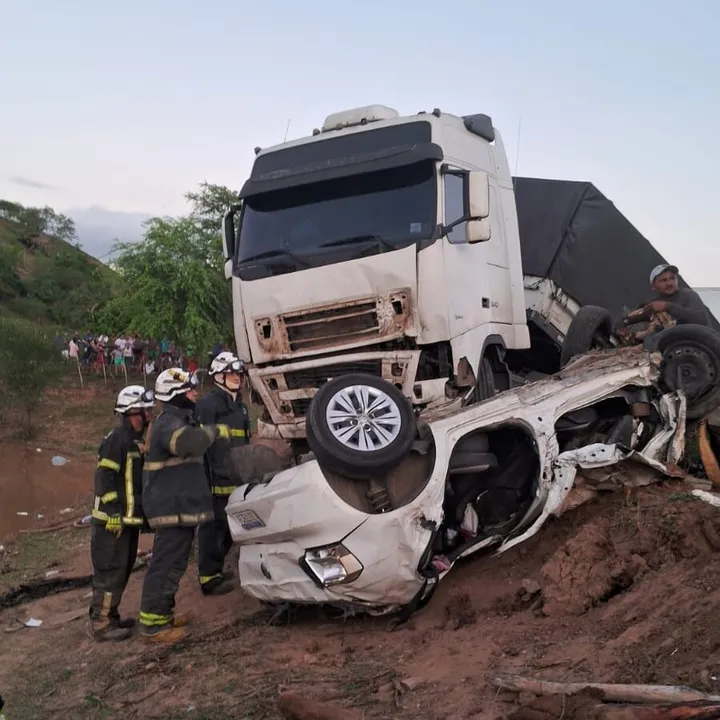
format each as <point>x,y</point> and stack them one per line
<point>31,486</point>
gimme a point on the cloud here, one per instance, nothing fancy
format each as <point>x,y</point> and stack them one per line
<point>29,182</point>
<point>97,228</point>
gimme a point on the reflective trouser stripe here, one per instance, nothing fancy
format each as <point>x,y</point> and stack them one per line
<point>223,489</point>
<point>204,579</point>
<point>152,620</point>
<point>106,605</point>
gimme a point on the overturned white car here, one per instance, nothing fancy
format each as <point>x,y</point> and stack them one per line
<point>387,508</point>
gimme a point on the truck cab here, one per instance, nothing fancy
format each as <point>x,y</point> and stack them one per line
<point>380,244</point>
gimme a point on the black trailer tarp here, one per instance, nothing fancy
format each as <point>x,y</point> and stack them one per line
<point>571,233</point>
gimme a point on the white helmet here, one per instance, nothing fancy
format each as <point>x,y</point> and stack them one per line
<point>226,362</point>
<point>134,397</point>
<point>173,382</point>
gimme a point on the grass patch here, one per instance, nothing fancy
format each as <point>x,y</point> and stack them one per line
<point>38,695</point>
<point>32,555</point>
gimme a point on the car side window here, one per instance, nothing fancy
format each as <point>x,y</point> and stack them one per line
<point>454,207</point>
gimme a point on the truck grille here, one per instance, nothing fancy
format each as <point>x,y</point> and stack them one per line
<point>314,377</point>
<point>335,326</point>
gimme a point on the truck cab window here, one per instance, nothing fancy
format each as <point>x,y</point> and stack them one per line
<point>454,206</point>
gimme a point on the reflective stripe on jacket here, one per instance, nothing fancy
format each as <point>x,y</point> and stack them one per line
<point>118,477</point>
<point>216,408</point>
<point>175,489</point>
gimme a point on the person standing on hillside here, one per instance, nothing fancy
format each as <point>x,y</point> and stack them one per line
<point>117,516</point>
<point>176,499</point>
<point>128,353</point>
<point>223,404</point>
<point>73,349</point>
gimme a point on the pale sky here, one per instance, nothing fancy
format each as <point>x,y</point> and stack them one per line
<point>127,105</point>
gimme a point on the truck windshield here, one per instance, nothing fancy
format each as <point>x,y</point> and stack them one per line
<point>334,221</point>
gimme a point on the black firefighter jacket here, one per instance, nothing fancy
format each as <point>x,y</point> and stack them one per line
<point>118,477</point>
<point>218,407</point>
<point>175,489</point>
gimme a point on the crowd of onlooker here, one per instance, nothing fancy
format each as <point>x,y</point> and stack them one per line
<point>128,353</point>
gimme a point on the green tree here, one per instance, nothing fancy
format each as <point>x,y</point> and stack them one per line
<point>28,223</point>
<point>29,363</point>
<point>209,204</point>
<point>172,284</point>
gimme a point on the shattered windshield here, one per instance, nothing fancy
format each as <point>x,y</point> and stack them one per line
<point>338,220</point>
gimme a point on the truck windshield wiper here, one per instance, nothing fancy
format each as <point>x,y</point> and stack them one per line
<point>358,239</point>
<point>279,253</point>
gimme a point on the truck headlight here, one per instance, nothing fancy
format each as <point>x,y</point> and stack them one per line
<point>331,565</point>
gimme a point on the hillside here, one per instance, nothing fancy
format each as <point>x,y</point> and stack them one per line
<point>44,275</point>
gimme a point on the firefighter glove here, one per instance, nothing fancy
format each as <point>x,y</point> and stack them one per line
<point>223,432</point>
<point>114,524</point>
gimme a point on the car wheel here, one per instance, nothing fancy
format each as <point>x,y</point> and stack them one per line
<point>691,362</point>
<point>590,329</point>
<point>359,426</point>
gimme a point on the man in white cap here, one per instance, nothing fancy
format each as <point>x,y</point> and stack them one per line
<point>681,306</point>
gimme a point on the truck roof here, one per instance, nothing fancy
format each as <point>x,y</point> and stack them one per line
<point>574,235</point>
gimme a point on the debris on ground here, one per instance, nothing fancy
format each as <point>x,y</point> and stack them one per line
<point>622,589</point>
<point>293,706</point>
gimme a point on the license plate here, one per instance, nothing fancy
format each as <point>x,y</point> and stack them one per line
<point>249,520</point>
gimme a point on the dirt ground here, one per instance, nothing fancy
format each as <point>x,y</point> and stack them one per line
<point>619,590</point>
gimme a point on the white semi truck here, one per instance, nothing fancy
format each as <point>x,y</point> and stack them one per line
<point>397,247</point>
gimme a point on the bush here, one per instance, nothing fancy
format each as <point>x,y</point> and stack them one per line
<point>28,308</point>
<point>29,363</point>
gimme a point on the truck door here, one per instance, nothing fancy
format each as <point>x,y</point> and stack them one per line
<point>477,276</point>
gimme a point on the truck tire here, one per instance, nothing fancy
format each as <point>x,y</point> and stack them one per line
<point>590,329</point>
<point>485,386</point>
<point>691,362</point>
<point>360,426</point>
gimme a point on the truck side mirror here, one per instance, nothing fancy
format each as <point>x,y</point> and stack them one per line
<point>478,196</point>
<point>228,268</point>
<point>477,231</point>
<point>228,232</point>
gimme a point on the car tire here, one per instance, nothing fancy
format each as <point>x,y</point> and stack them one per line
<point>357,444</point>
<point>590,329</point>
<point>694,352</point>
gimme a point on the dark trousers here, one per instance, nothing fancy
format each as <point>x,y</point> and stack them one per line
<point>170,555</point>
<point>113,559</point>
<point>214,542</point>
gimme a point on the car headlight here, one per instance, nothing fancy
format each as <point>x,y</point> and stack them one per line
<point>331,565</point>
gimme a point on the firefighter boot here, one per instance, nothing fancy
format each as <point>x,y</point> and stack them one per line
<point>181,619</point>
<point>124,623</point>
<point>106,631</point>
<point>165,634</point>
<point>217,586</point>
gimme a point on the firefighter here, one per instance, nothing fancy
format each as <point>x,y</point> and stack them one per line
<point>223,404</point>
<point>117,515</point>
<point>176,499</point>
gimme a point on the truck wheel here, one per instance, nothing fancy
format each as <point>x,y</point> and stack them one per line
<point>691,362</point>
<point>359,425</point>
<point>485,386</point>
<point>590,329</point>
